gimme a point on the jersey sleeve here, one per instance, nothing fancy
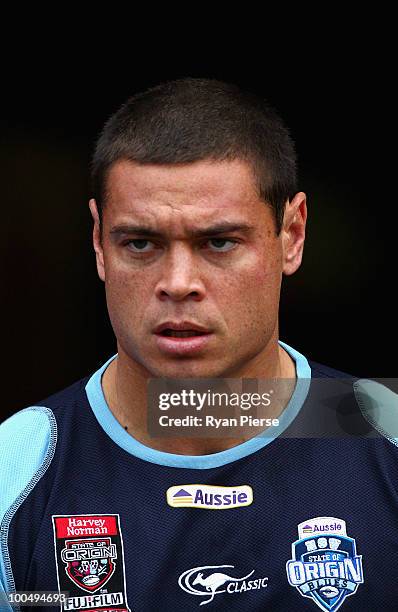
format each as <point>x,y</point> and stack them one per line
<point>27,445</point>
<point>379,405</point>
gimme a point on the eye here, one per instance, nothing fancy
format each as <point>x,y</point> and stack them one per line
<point>223,240</point>
<point>139,244</point>
<point>142,245</point>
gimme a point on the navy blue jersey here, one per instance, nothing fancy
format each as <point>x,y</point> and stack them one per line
<point>282,523</point>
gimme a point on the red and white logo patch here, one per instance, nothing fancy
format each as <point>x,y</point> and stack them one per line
<point>90,562</point>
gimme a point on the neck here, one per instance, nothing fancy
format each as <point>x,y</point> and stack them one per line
<point>125,390</point>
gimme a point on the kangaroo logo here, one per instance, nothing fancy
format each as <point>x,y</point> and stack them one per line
<point>209,581</point>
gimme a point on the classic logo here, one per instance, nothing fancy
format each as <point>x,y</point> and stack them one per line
<point>209,496</point>
<point>324,564</point>
<point>89,557</point>
<point>205,581</point>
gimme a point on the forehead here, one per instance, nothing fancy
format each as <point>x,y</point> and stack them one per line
<point>203,189</point>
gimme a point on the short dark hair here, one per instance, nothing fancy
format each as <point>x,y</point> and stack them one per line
<point>193,119</point>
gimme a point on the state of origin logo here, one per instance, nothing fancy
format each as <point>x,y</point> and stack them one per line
<point>90,562</point>
<point>325,566</point>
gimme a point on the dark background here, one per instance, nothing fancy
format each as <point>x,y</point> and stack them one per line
<point>338,309</point>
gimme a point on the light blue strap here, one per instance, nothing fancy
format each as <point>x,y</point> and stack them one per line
<point>27,445</point>
<point>379,405</point>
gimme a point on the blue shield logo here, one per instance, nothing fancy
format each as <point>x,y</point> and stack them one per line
<point>325,565</point>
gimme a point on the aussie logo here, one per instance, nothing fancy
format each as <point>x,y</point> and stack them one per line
<point>325,566</point>
<point>90,562</point>
<point>208,581</point>
<point>209,496</point>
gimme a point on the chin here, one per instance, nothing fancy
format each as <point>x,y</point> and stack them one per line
<point>187,370</point>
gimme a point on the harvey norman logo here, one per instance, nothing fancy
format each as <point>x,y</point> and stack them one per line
<point>209,496</point>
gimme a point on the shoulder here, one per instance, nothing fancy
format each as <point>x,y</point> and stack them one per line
<point>377,402</point>
<point>319,370</point>
<point>379,405</point>
<point>66,396</point>
<point>27,441</point>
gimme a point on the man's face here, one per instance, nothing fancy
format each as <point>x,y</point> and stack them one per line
<point>227,282</point>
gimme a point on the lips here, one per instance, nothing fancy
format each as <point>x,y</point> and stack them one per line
<point>179,338</point>
<point>174,333</point>
<point>168,327</point>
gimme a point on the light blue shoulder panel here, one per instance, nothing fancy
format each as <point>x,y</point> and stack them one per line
<point>27,446</point>
<point>379,405</point>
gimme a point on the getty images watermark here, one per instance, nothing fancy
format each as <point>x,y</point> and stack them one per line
<point>215,407</point>
<point>298,408</point>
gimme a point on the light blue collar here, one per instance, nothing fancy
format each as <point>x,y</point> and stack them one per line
<point>117,433</point>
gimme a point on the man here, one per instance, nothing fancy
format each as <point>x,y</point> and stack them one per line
<point>196,218</point>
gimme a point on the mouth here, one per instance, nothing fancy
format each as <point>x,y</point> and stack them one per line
<point>182,341</point>
<point>186,333</point>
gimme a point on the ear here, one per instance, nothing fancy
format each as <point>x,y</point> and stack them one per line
<point>293,232</point>
<point>97,243</point>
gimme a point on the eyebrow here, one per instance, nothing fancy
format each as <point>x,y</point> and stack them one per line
<point>213,230</point>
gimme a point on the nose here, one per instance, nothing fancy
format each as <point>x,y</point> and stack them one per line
<point>180,276</point>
